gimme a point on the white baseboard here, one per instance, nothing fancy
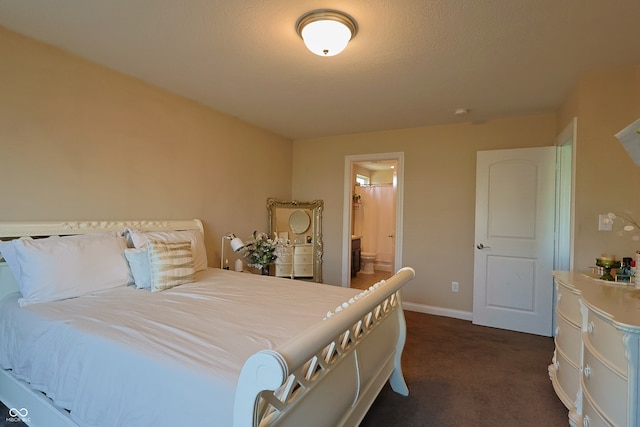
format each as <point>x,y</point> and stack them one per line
<point>438,311</point>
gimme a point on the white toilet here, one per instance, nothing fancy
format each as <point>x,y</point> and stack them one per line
<point>368,259</point>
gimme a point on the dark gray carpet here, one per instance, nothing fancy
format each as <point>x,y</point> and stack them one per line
<point>460,374</point>
<point>7,420</point>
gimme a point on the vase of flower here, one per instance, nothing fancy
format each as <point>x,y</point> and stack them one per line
<point>261,251</point>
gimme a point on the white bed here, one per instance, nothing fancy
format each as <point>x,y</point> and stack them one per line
<point>228,349</point>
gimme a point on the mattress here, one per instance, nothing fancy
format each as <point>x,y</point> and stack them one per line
<point>128,356</point>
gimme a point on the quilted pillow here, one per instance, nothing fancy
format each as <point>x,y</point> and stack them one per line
<point>67,267</point>
<point>195,237</point>
<point>171,264</point>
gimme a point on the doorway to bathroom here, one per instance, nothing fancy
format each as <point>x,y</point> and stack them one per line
<point>372,226</point>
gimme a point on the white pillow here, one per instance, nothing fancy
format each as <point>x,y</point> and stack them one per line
<point>138,260</point>
<point>8,252</point>
<point>140,238</point>
<point>68,267</point>
<point>171,264</point>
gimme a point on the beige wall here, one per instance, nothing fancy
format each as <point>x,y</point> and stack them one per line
<point>439,197</point>
<point>604,102</point>
<point>79,141</point>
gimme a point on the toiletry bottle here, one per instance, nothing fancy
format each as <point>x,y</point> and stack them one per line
<point>625,269</point>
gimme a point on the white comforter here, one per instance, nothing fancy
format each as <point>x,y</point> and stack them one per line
<point>134,358</point>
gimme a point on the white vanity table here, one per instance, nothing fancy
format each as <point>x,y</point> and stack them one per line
<point>301,224</point>
<point>297,262</point>
<point>595,369</point>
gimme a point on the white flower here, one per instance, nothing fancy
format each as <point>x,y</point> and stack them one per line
<point>262,251</point>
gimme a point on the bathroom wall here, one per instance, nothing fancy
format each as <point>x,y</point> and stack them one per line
<point>382,176</point>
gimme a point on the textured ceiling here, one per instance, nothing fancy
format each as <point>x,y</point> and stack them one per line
<point>412,63</point>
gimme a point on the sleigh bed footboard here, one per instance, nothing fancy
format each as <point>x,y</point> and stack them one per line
<point>331,373</point>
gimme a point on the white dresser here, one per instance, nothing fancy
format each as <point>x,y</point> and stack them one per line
<point>596,359</point>
<point>297,262</point>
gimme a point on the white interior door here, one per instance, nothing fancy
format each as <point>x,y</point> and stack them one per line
<point>515,196</point>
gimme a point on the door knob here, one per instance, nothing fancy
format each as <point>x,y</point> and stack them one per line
<point>481,246</point>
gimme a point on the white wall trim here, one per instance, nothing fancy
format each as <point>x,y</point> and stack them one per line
<point>438,311</point>
<point>564,256</point>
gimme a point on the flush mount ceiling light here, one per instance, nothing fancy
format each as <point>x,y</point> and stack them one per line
<point>326,32</point>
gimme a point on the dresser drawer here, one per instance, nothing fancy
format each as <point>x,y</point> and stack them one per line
<point>303,270</point>
<point>568,303</point>
<point>283,269</point>
<point>568,339</point>
<point>568,378</point>
<point>303,258</point>
<point>603,385</point>
<point>284,259</point>
<point>304,249</point>
<point>606,340</point>
<point>590,416</point>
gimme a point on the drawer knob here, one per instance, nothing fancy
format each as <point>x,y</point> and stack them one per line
<point>591,327</point>
<point>585,421</point>
<point>587,371</point>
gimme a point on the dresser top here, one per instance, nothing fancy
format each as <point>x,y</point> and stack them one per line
<point>617,302</point>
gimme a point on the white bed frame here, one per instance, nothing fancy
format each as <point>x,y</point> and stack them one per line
<point>327,376</point>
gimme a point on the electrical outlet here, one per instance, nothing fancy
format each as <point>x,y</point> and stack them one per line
<point>454,286</point>
<point>604,223</point>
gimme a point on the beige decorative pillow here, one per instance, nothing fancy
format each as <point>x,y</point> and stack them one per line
<point>139,238</point>
<point>171,264</point>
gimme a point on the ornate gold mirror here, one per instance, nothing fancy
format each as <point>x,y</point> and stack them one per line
<point>301,223</point>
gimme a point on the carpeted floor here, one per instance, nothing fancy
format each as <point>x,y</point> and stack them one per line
<point>460,374</point>
<point>7,419</point>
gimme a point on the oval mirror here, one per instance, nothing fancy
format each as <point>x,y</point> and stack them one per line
<point>299,221</point>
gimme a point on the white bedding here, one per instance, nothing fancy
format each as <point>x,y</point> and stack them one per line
<point>127,356</point>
